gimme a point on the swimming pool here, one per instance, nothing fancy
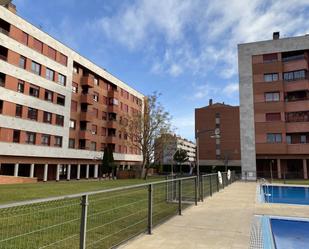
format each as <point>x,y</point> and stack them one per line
<point>285,194</point>
<point>285,233</point>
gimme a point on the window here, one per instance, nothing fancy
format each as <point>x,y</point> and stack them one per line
<point>73,106</point>
<point>16,136</point>
<point>60,100</point>
<point>36,68</point>
<point>22,62</point>
<point>50,74</point>
<point>113,101</point>
<point>63,59</point>
<point>71,143</point>
<point>103,131</point>
<point>269,97</point>
<point>288,139</point>
<point>34,91</point>
<point>103,145</point>
<point>58,141</point>
<point>2,79</point>
<point>94,130</point>
<point>268,58</point>
<point>52,53</point>
<point>74,88</point>
<point>271,77</point>
<point>32,113</point>
<point>19,111</point>
<point>96,81</point>
<point>1,106</point>
<point>75,70</point>
<point>48,95</point>
<point>25,38</point>
<point>274,138</point>
<point>93,146</point>
<point>303,139</point>
<point>273,116</point>
<point>95,112</point>
<point>59,120</point>
<point>47,117</point>
<point>30,137</point>
<point>45,139</point>
<point>72,124</point>
<point>21,86</point>
<point>96,97</point>
<point>37,45</point>
<point>104,115</point>
<point>295,75</point>
<point>293,55</point>
<point>61,79</point>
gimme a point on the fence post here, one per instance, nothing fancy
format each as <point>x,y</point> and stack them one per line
<point>166,189</point>
<point>210,186</point>
<point>217,183</point>
<point>83,222</point>
<point>201,188</point>
<point>179,196</point>
<point>196,190</point>
<point>150,188</point>
<point>223,180</point>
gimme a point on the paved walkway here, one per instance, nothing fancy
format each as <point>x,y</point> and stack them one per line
<point>221,222</point>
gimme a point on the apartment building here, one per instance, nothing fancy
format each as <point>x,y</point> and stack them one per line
<point>274,107</point>
<point>167,147</point>
<point>217,153</point>
<point>58,110</point>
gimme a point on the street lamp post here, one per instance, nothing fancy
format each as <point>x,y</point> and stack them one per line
<point>216,135</point>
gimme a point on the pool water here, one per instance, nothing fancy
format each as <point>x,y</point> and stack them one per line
<point>285,194</point>
<point>290,233</point>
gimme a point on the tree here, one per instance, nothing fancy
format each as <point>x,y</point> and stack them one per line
<point>107,165</point>
<point>144,127</point>
<point>180,157</point>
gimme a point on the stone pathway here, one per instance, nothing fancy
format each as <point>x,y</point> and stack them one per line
<point>221,222</point>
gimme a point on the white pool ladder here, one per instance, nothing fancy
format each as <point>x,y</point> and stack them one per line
<point>266,193</point>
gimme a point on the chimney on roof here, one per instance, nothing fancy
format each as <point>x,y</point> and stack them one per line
<point>7,4</point>
<point>210,102</point>
<point>276,35</point>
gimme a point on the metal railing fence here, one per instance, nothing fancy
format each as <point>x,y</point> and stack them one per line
<point>209,183</point>
<point>99,219</point>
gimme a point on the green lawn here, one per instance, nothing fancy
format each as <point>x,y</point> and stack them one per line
<point>21,192</point>
<point>112,217</point>
<point>297,182</point>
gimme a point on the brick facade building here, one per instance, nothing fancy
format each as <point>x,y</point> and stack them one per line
<point>58,110</point>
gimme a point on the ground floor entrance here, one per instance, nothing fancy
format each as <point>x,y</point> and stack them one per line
<point>279,168</point>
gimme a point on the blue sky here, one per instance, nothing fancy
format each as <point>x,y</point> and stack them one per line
<point>186,50</point>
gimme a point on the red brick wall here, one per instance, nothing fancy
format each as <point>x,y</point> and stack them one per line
<point>15,180</point>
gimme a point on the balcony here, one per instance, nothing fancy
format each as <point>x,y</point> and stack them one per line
<point>87,81</point>
<point>296,85</point>
<point>112,94</point>
<point>85,135</point>
<point>4,27</point>
<point>298,149</point>
<point>113,108</point>
<point>272,106</point>
<point>292,65</point>
<point>292,127</point>
<point>261,68</point>
<point>86,99</point>
<point>269,127</point>
<point>297,106</point>
<point>263,87</point>
<point>112,124</point>
<point>271,149</point>
<point>86,116</point>
<point>112,140</point>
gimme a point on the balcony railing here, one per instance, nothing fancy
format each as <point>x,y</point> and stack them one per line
<point>3,57</point>
<point>4,31</point>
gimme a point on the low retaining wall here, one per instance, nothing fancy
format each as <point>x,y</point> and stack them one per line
<point>15,180</point>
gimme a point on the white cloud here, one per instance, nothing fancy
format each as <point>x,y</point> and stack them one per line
<point>231,89</point>
<point>185,126</point>
<point>201,36</point>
